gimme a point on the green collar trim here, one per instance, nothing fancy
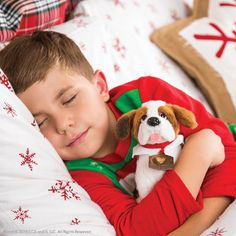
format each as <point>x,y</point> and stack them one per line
<point>100,167</point>
<point>232,128</point>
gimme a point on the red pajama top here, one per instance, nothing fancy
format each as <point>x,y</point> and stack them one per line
<point>170,203</point>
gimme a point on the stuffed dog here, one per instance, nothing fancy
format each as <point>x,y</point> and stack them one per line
<point>156,126</point>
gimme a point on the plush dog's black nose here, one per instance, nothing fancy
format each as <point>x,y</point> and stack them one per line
<point>153,121</point>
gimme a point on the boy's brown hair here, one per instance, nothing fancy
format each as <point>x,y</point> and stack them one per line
<point>28,59</point>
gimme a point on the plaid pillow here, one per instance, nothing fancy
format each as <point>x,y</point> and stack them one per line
<point>19,17</point>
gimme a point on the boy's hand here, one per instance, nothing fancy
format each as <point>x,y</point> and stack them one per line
<point>202,220</point>
<point>201,150</point>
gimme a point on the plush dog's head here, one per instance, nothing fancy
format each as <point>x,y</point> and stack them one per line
<point>155,122</point>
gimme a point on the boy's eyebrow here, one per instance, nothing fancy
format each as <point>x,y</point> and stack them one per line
<point>62,91</point>
<point>59,93</point>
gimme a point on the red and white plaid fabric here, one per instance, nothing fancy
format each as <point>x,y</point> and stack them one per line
<point>19,17</point>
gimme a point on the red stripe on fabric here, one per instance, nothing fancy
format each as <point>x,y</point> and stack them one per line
<point>41,21</point>
<point>28,16</point>
<point>157,145</point>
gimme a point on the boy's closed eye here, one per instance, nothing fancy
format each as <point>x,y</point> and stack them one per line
<point>69,100</point>
<point>41,122</point>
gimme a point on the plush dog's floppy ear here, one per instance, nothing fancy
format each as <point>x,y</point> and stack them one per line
<point>124,124</point>
<point>185,117</point>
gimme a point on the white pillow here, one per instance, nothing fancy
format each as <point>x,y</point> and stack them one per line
<point>3,44</point>
<point>90,34</point>
<point>37,193</point>
<point>114,37</point>
<point>225,224</point>
<point>214,37</point>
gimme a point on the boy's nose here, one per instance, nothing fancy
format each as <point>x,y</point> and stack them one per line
<point>64,125</point>
<point>61,131</point>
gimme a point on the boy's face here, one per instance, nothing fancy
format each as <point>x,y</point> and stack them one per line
<point>72,113</point>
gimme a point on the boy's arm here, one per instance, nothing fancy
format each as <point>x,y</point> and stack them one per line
<point>172,199</point>
<point>194,160</point>
<point>164,209</point>
<point>200,221</point>
<point>213,207</point>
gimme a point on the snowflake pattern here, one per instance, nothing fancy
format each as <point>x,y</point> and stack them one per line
<point>164,65</point>
<point>219,37</point>
<point>80,23</point>
<point>217,232</point>
<point>34,123</point>
<point>109,17</point>
<point>152,25</point>
<point>28,159</point>
<point>81,13</point>
<point>152,8</point>
<point>64,189</point>
<point>228,4</point>
<point>136,3</point>
<point>116,68</point>
<point>96,165</point>
<point>21,214</point>
<point>4,80</point>
<point>104,47</point>
<point>82,46</point>
<point>174,15</point>
<point>119,3</point>
<point>119,47</point>
<point>75,221</point>
<point>9,109</point>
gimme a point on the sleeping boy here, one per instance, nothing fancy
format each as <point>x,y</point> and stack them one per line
<point>77,114</point>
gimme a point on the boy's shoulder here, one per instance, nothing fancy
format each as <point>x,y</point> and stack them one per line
<point>132,94</point>
<point>141,83</point>
<point>136,83</point>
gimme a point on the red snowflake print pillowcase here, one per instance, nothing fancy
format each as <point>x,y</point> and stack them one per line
<point>37,192</point>
<point>4,81</point>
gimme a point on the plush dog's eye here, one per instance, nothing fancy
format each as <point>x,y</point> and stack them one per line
<point>144,117</point>
<point>163,115</point>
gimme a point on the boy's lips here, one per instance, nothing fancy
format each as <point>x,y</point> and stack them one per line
<point>78,139</point>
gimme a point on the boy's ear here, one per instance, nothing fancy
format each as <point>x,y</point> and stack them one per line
<point>101,84</point>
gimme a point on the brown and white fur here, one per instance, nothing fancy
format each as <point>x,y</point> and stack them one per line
<point>154,122</point>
